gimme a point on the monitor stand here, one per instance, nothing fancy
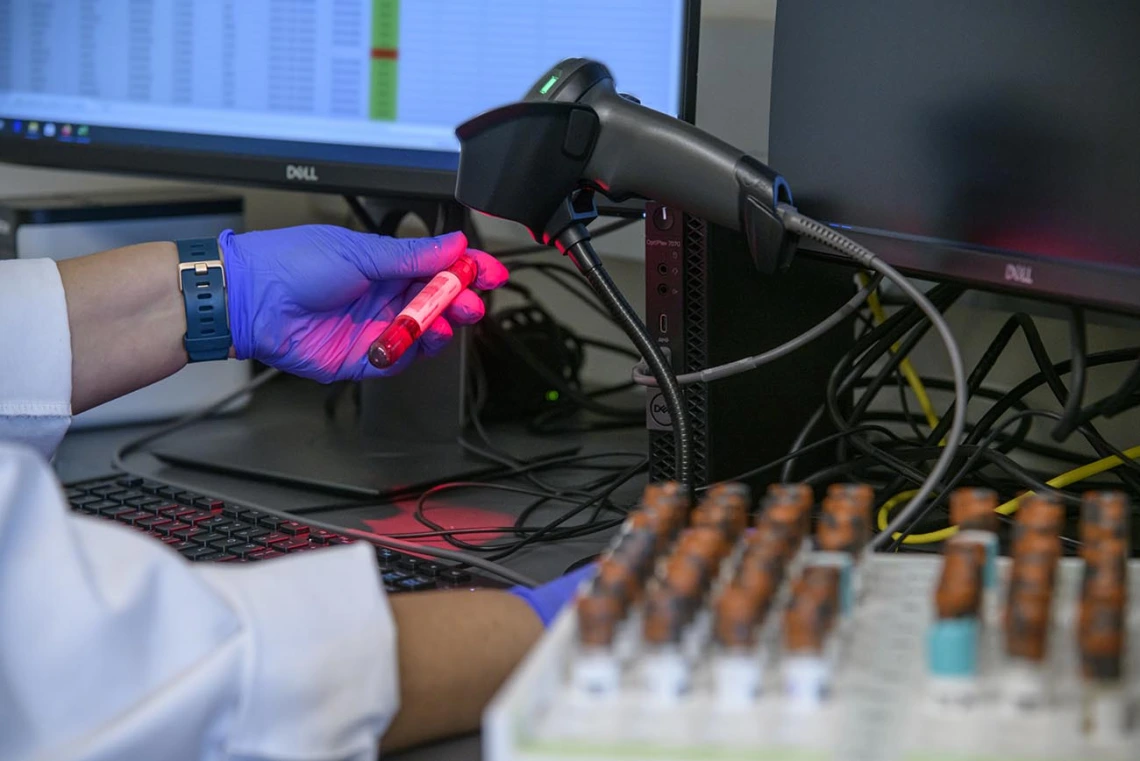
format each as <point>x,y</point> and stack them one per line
<point>408,427</point>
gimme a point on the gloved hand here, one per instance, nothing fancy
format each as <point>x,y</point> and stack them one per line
<point>548,600</point>
<point>310,300</point>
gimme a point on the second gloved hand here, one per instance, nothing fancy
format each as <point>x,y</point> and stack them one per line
<point>548,600</point>
<point>310,300</point>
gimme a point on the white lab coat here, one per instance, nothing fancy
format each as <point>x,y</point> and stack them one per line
<point>114,647</point>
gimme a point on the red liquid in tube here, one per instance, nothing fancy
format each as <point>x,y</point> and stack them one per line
<point>421,311</point>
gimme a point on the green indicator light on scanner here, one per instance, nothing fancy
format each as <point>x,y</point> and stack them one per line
<point>550,83</point>
<point>552,396</point>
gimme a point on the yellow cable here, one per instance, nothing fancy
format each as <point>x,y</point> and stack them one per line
<point>1008,508</point>
<point>905,367</point>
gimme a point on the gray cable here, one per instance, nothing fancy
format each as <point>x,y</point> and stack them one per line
<point>798,223</point>
<point>642,377</point>
<point>118,460</point>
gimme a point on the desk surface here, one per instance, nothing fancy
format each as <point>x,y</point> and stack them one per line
<point>87,454</point>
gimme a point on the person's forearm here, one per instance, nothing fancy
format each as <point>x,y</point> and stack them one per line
<point>455,650</point>
<point>127,321</point>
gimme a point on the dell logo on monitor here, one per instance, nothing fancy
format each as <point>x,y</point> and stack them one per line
<point>302,173</point>
<point>1019,273</point>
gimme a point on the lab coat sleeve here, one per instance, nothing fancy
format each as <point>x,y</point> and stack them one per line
<point>35,355</point>
<point>112,646</point>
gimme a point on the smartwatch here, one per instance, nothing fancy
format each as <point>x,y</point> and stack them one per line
<point>202,280</point>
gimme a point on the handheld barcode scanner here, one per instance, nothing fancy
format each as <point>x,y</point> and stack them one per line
<point>540,161</point>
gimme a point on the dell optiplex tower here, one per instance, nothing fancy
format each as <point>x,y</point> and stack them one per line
<point>706,305</point>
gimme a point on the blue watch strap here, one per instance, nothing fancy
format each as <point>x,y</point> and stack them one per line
<point>202,281</point>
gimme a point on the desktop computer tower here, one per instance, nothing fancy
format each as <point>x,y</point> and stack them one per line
<point>707,305</point>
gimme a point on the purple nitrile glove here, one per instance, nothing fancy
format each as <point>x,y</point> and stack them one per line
<point>549,599</point>
<point>310,300</point>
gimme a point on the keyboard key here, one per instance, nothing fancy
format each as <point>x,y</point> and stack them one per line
<point>129,481</point>
<point>391,577</point>
<point>235,512</point>
<point>150,487</point>
<point>292,544</point>
<point>87,510</point>
<point>126,495</point>
<point>207,537</point>
<point>293,528</point>
<point>415,584</point>
<point>274,538</point>
<point>105,504</point>
<point>87,499</point>
<point>321,536</point>
<point>166,492</point>
<point>227,559</point>
<point>172,540</point>
<point>455,576</point>
<point>114,510</point>
<point>338,539</point>
<point>417,565</point>
<point>176,511</point>
<point>73,493</point>
<point>198,552</point>
<point>182,545</point>
<point>143,502</point>
<point>188,496</point>
<point>131,517</point>
<point>188,532</point>
<point>209,503</point>
<point>105,490</point>
<point>226,543</point>
<point>246,549</point>
<point>216,522</point>
<point>386,556</point>
<point>270,521</point>
<point>196,517</point>
<point>172,527</point>
<point>249,534</point>
<point>154,521</point>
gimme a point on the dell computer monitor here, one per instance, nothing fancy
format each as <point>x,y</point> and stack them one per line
<point>348,96</point>
<point>992,142</point>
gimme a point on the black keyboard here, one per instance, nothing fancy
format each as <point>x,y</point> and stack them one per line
<point>205,529</point>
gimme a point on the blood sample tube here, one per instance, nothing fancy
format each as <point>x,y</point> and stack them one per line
<point>706,541</point>
<point>421,312</point>
<point>861,494</point>
<point>638,546</point>
<point>737,666</point>
<point>618,580</point>
<point>959,588</point>
<point>1039,513</point>
<point>1104,515</point>
<point>727,514</point>
<point>973,509</point>
<point>808,622</point>
<point>952,641</point>
<point>1101,629</point>
<point>596,671</point>
<point>598,617</point>
<point>798,496</point>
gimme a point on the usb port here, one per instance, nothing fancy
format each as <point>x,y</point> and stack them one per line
<point>663,323</point>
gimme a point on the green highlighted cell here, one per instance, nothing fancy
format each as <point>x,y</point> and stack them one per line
<point>384,69</point>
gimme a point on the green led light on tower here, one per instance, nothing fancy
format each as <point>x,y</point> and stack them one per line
<point>550,83</point>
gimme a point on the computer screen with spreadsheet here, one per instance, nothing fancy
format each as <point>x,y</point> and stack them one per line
<point>346,94</point>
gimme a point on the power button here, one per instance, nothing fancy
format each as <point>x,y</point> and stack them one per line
<point>664,218</point>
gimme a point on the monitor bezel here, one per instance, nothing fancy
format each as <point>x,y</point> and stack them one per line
<point>384,181</point>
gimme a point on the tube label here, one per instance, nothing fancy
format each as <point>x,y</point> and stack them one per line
<point>433,299</point>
